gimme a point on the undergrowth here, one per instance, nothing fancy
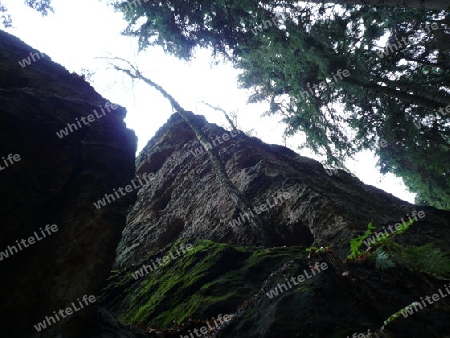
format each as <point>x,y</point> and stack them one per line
<point>386,253</point>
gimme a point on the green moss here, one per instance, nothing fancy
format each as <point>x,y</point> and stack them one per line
<point>211,278</point>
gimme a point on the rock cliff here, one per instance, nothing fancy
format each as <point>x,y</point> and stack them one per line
<point>248,210</point>
<point>201,242</point>
<point>185,199</point>
<point>54,183</point>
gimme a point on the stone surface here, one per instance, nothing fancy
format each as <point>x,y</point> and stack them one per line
<point>216,279</point>
<point>192,197</point>
<point>232,267</point>
<point>186,200</point>
<point>56,181</point>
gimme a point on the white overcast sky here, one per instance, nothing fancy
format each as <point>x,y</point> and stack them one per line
<point>80,32</point>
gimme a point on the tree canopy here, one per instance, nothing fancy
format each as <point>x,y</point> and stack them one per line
<point>349,77</point>
<point>42,6</point>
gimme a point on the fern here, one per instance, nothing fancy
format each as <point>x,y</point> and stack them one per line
<point>382,260</point>
<point>426,259</point>
<point>388,254</point>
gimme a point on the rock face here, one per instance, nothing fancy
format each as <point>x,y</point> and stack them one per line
<point>211,233</point>
<point>254,287</point>
<point>288,199</point>
<point>55,181</point>
<point>249,209</point>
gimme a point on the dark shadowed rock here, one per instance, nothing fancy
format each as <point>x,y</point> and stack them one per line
<point>56,181</point>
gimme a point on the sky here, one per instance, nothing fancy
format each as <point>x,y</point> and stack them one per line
<point>81,33</point>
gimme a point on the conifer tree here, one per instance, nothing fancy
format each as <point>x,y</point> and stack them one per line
<point>347,76</point>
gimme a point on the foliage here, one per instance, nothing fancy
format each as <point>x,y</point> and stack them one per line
<point>87,74</point>
<point>290,52</point>
<point>426,259</point>
<point>355,243</point>
<point>428,193</point>
<point>398,313</point>
<point>211,278</point>
<point>375,101</point>
<point>5,17</point>
<point>317,250</point>
<point>382,260</point>
<point>389,254</point>
<point>42,6</point>
<point>386,239</point>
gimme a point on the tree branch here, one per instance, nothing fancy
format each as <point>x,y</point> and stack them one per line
<point>223,180</point>
<point>224,113</point>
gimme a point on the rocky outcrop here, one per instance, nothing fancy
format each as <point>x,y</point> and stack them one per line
<point>294,199</point>
<point>54,180</point>
<point>210,235</point>
<point>245,269</point>
<point>255,287</point>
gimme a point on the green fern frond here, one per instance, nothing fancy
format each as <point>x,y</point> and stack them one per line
<point>382,260</point>
<point>426,259</point>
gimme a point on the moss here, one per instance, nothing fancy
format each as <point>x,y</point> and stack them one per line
<point>215,278</point>
<point>211,278</point>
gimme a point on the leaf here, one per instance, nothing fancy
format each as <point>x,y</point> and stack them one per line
<point>382,260</point>
<point>426,259</point>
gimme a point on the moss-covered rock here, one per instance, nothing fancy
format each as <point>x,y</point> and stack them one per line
<point>255,286</point>
<point>210,279</point>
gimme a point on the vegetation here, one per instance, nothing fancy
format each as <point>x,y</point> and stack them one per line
<point>313,251</point>
<point>388,254</point>
<point>355,243</point>
<point>425,258</point>
<point>216,278</point>
<point>397,314</point>
<point>292,54</point>
<point>42,6</point>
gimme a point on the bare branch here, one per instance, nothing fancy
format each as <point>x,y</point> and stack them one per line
<point>134,73</point>
<point>224,113</point>
<point>235,195</point>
